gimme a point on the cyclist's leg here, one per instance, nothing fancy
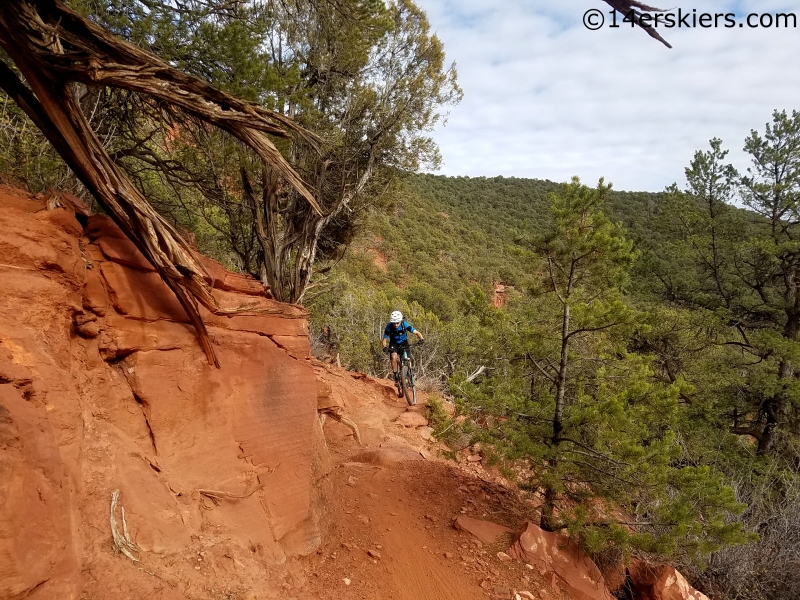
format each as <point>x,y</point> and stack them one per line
<point>402,350</point>
<point>394,359</point>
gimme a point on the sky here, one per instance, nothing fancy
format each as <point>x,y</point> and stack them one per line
<point>544,97</point>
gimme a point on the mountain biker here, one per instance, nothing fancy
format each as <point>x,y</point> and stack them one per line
<point>395,338</point>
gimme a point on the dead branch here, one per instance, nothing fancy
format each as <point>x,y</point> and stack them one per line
<point>636,9</point>
<point>351,424</point>
<point>477,373</point>
<point>215,494</point>
<point>338,415</point>
<point>121,540</point>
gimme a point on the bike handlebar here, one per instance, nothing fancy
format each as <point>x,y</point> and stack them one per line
<point>387,349</point>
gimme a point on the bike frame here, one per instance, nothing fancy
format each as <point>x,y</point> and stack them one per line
<point>405,358</point>
<point>405,364</point>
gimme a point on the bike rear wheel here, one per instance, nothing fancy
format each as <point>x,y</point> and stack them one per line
<point>407,382</point>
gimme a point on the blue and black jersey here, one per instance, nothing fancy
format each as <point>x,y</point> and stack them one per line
<point>397,335</point>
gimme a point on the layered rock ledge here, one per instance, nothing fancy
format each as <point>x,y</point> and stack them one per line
<point>103,387</point>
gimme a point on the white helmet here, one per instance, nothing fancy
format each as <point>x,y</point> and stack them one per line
<point>396,317</point>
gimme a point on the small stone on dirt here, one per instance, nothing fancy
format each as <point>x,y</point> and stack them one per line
<point>346,581</point>
<point>525,595</point>
<point>426,433</point>
<point>351,481</point>
<point>374,553</point>
<point>503,557</point>
<point>448,555</point>
<point>475,458</point>
<point>411,419</point>
<point>485,531</point>
<point>363,519</point>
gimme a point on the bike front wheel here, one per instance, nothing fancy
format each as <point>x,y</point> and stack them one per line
<point>407,382</point>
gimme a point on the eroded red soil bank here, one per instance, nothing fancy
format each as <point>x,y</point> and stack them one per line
<point>103,387</point>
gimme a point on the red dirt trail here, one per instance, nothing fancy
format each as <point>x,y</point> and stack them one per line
<point>392,534</point>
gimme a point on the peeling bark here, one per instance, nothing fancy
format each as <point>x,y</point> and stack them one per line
<point>53,47</point>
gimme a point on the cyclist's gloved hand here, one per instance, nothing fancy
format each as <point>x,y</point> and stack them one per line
<point>385,350</point>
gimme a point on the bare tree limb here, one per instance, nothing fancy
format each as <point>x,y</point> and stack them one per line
<point>477,372</point>
<point>636,9</point>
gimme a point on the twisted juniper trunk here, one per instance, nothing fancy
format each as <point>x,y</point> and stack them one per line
<point>63,124</point>
<point>287,281</point>
<point>289,246</point>
<point>548,522</point>
<point>53,47</point>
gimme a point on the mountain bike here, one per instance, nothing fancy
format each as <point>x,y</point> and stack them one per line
<point>405,381</point>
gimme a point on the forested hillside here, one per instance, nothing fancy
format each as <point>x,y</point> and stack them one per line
<point>447,238</point>
<point>469,226</point>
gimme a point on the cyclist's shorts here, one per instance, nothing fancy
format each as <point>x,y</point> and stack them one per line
<point>398,348</point>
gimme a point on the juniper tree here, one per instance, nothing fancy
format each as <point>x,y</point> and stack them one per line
<point>369,79</point>
<point>56,50</point>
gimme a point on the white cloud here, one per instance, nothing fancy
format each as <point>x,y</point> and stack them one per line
<point>547,98</point>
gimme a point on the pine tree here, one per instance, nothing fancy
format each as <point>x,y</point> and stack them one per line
<point>743,267</point>
<point>608,461</point>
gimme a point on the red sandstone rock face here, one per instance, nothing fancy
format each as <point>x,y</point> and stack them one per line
<point>660,582</point>
<point>499,295</point>
<point>486,531</point>
<point>559,558</point>
<point>36,544</point>
<point>103,387</point>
